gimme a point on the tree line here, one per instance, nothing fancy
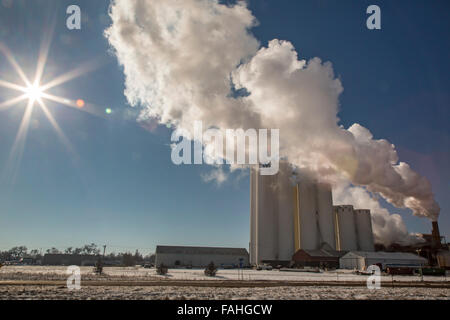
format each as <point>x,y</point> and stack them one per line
<point>126,258</point>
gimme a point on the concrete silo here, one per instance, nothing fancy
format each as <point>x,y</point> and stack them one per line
<point>345,226</point>
<point>253,214</point>
<point>326,220</point>
<point>313,216</point>
<point>285,186</point>
<point>364,230</point>
<point>264,220</point>
<point>286,217</point>
<point>307,228</point>
<point>353,229</point>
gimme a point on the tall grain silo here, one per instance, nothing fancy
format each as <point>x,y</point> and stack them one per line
<point>345,226</point>
<point>253,215</point>
<point>264,220</point>
<point>307,228</point>
<point>285,213</point>
<point>287,216</point>
<point>326,220</point>
<point>364,230</point>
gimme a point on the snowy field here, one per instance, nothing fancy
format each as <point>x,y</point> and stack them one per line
<point>159,292</point>
<point>139,273</point>
<point>191,293</point>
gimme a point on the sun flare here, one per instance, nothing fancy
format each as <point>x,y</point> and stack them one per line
<point>34,92</point>
<point>37,95</point>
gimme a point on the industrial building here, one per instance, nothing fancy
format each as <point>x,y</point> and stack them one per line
<point>287,216</point>
<point>69,259</point>
<point>199,257</point>
<point>433,248</point>
<point>443,259</point>
<point>323,258</point>
<point>361,260</point>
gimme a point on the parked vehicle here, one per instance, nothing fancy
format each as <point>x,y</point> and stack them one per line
<point>264,267</point>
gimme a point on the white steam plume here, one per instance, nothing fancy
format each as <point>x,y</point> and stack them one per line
<point>388,228</point>
<point>182,60</point>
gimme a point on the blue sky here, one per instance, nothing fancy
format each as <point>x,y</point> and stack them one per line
<point>125,192</point>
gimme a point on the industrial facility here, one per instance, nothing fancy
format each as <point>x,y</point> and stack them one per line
<point>293,223</point>
<point>199,257</point>
<point>433,248</point>
<point>288,216</point>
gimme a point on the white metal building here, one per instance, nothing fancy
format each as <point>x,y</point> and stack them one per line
<point>172,256</point>
<point>361,260</point>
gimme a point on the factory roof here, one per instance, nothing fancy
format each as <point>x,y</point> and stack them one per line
<point>200,250</point>
<point>384,255</point>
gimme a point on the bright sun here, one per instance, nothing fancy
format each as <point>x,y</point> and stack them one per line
<point>34,92</point>
<point>37,93</point>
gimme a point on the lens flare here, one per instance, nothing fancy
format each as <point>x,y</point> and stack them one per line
<point>80,103</point>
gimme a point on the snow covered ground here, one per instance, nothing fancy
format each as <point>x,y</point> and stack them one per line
<point>187,293</point>
<point>140,291</point>
<point>139,273</point>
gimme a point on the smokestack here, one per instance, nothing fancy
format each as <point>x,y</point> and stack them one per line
<point>436,236</point>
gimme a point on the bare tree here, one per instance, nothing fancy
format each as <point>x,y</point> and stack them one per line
<point>53,251</point>
<point>69,250</point>
<point>128,259</point>
<point>18,252</point>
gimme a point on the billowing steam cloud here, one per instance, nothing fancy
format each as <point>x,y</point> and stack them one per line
<point>388,228</point>
<point>184,59</point>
